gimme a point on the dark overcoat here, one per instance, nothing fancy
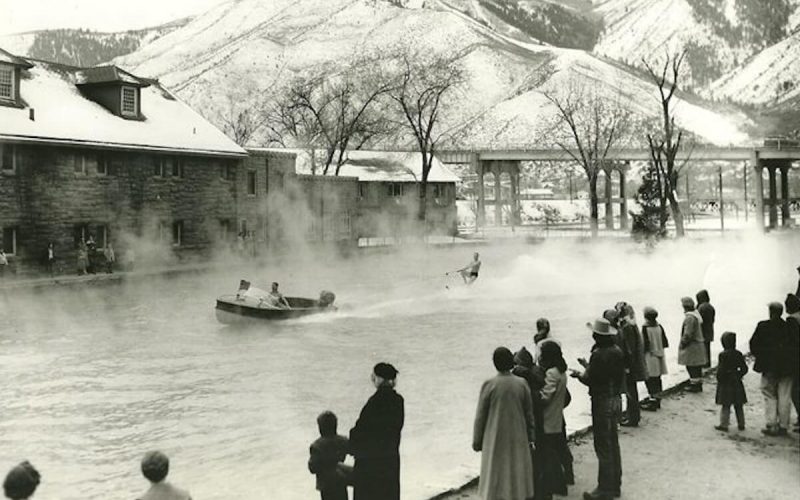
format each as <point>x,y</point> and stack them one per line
<point>375,444</point>
<point>731,367</point>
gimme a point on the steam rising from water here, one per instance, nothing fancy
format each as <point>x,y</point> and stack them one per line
<point>95,376</point>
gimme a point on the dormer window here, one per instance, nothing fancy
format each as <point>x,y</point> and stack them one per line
<point>129,101</point>
<point>7,80</point>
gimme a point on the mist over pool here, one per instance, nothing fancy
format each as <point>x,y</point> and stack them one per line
<point>94,376</point>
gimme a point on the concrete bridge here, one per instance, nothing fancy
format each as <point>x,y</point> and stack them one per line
<point>775,156</point>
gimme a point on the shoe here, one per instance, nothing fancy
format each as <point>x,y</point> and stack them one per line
<point>596,495</point>
<point>741,427</point>
<point>780,431</point>
<point>628,423</point>
<point>721,428</point>
<point>769,432</point>
<point>694,388</point>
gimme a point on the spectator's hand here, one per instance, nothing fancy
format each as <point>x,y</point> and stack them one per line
<point>533,446</point>
<point>583,362</point>
<point>476,446</point>
<point>574,373</point>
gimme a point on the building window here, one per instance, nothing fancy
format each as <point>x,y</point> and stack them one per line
<point>158,168</point>
<point>163,231</point>
<point>80,234</point>
<point>129,101</point>
<point>227,171</point>
<point>101,235</point>
<point>439,191</point>
<point>10,240</point>
<point>251,183</point>
<point>8,158</point>
<point>7,91</point>
<point>362,190</point>
<point>103,164</point>
<point>177,167</point>
<point>82,163</point>
<point>177,233</point>
<point>395,189</point>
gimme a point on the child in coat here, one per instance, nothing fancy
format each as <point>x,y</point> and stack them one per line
<point>655,341</point>
<point>327,454</point>
<point>731,368</point>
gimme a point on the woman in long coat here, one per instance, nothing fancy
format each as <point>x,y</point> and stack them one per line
<point>692,349</point>
<point>553,394</point>
<point>505,432</point>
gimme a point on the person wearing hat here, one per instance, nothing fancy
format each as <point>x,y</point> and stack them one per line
<point>505,433</point>
<point>692,349</point>
<point>770,346</point>
<point>792,304</point>
<point>604,374</point>
<point>375,439</point>
<point>155,467</point>
<point>629,339</point>
<point>21,481</point>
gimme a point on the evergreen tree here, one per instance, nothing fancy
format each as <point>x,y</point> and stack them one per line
<point>651,223</point>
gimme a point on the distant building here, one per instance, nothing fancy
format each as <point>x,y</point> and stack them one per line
<point>103,152</point>
<point>389,192</point>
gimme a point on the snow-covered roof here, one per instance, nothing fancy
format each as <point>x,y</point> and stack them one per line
<point>375,166</point>
<point>391,166</point>
<point>9,58</point>
<point>107,74</point>
<point>62,115</point>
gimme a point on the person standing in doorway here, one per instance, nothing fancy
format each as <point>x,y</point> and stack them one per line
<point>708,315</point>
<point>375,439</point>
<point>51,258</point>
<point>692,350</point>
<point>604,374</point>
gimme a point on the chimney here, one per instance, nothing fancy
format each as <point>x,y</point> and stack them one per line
<point>31,115</point>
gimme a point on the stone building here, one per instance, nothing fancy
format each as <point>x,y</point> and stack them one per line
<point>101,152</point>
<point>389,192</point>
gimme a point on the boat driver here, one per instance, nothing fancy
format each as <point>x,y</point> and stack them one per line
<point>276,298</point>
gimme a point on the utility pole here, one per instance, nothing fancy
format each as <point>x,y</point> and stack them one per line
<point>721,202</point>
<point>569,174</point>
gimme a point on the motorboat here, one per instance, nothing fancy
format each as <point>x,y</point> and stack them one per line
<point>250,303</point>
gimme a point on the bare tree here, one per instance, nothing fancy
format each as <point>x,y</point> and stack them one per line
<point>590,126</point>
<point>423,85</point>
<point>247,116</point>
<point>666,143</point>
<point>335,111</point>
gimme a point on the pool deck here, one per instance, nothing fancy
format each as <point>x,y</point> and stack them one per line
<point>676,453</point>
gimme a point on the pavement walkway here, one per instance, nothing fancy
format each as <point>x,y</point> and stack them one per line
<point>677,454</point>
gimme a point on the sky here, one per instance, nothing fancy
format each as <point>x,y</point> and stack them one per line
<point>100,15</point>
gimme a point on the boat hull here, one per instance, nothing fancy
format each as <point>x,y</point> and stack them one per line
<point>231,310</point>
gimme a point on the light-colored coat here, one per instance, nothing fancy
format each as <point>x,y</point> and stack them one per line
<point>504,426</point>
<point>692,350</point>
<point>554,394</point>
<point>654,358</point>
<point>165,491</point>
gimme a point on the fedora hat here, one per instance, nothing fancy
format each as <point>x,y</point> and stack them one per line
<point>601,326</point>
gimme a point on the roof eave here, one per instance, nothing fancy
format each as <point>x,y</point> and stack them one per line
<point>121,146</point>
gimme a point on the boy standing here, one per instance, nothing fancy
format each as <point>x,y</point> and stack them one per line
<point>327,454</point>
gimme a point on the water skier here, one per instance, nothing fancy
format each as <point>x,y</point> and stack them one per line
<point>469,273</point>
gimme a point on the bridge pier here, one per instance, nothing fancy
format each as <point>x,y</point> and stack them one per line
<point>786,217</point>
<point>608,199</point>
<point>623,201</point>
<point>773,197</point>
<point>477,167</point>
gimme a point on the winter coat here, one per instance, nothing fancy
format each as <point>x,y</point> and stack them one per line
<point>326,454</point>
<point>535,380</point>
<point>375,443</point>
<point>554,394</point>
<point>793,326</point>
<point>605,374</point>
<point>731,367</point>
<point>630,341</point>
<point>769,345</point>
<point>707,313</point>
<point>655,341</point>
<point>692,351</point>
<point>503,428</point>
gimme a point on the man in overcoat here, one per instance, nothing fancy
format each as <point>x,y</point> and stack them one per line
<point>770,346</point>
<point>692,349</point>
<point>375,440</point>
<point>505,433</point>
<point>708,315</point>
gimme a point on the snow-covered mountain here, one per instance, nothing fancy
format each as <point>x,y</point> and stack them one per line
<point>82,47</point>
<point>718,35</point>
<point>240,51</point>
